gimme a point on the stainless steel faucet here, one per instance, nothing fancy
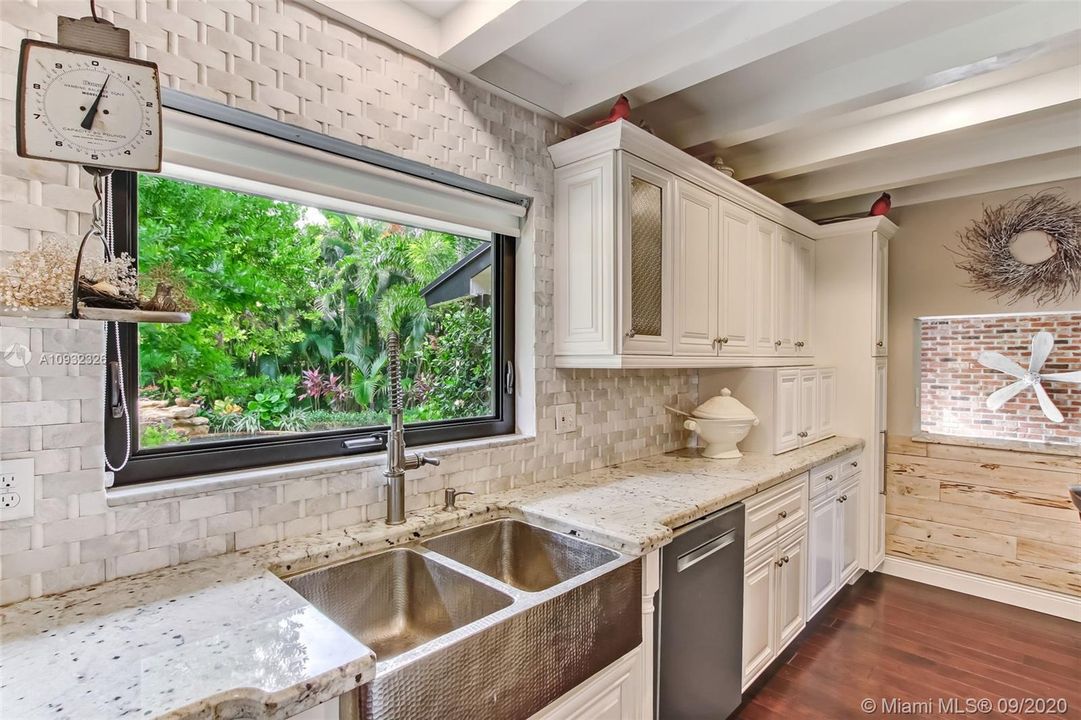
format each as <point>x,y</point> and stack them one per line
<point>398,460</point>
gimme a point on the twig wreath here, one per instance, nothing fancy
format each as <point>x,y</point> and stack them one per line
<point>989,261</point>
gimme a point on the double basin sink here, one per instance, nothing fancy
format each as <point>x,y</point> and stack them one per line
<point>495,620</point>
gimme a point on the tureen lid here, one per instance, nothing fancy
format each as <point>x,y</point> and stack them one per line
<point>723,407</point>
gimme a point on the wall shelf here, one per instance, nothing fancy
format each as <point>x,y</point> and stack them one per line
<point>103,314</point>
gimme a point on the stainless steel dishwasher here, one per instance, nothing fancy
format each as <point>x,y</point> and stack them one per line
<point>699,625</point>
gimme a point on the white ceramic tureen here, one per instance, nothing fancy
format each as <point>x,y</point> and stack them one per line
<point>721,422</point>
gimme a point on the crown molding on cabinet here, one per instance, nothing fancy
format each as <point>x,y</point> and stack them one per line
<point>622,135</point>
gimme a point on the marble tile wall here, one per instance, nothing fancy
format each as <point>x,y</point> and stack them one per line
<point>284,61</point>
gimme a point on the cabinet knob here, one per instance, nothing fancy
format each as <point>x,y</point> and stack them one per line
<point>784,559</point>
<point>829,478</point>
<point>716,341</point>
<point>777,343</point>
<point>802,433</point>
<point>783,514</point>
<point>854,463</point>
<point>842,498</point>
<point>779,563</point>
<point>724,341</point>
<point>799,343</point>
<point>630,333</point>
<point>880,343</point>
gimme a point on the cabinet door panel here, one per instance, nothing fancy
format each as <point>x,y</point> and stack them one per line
<point>697,270</point>
<point>584,259</point>
<point>805,297</point>
<point>791,594</point>
<point>758,616</point>
<point>827,401</point>
<point>785,292</point>
<point>808,406</point>
<point>737,281</point>
<point>647,252</point>
<point>786,396</point>
<point>877,487</point>
<point>881,295</point>
<point>764,248</point>
<point>821,531</point>
<point>848,520</point>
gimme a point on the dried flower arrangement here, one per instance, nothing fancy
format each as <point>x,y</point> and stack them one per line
<point>42,278</point>
<point>987,257</point>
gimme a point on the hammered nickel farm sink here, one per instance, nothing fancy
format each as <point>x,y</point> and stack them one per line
<point>497,620</point>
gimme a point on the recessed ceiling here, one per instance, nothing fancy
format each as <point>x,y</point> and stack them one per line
<point>820,104</point>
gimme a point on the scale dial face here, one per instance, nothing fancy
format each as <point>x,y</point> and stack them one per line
<point>80,107</point>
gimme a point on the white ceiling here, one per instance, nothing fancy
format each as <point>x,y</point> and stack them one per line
<point>820,104</point>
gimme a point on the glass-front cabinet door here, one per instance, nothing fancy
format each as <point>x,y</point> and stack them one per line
<point>647,220</point>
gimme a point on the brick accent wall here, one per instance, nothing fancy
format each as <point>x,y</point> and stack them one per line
<point>286,62</point>
<point>954,387</point>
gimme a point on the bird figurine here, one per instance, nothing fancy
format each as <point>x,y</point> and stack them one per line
<point>880,206</point>
<point>621,110</point>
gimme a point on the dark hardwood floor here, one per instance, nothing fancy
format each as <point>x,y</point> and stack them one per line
<point>885,638</point>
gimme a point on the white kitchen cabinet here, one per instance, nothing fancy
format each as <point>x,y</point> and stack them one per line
<point>661,261</point>
<point>735,328</point>
<point>614,693</point>
<point>848,523</point>
<point>809,386</point>
<point>851,310</point>
<point>765,247</point>
<point>880,282</point>
<point>795,406</point>
<point>876,490</point>
<point>759,620</point>
<point>698,257</point>
<point>646,220</point>
<point>774,601</point>
<point>791,564</point>
<point>805,296</point>
<point>833,530</point>
<point>785,292</point>
<point>822,536</point>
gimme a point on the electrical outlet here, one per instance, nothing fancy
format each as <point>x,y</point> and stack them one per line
<point>566,418</point>
<point>16,489</point>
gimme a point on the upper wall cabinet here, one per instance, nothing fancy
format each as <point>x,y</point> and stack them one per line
<point>661,261</point>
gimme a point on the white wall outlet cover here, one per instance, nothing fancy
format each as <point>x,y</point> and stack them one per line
<point>16,489</point>
<point>566,418</point>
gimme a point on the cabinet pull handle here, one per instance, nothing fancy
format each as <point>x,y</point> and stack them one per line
<point>629,333</point>
<point>801,433</point>
<point>880,343</point>
<point>799,343</point>
<point>777,343</point>
<point>783,514</point>
<point>842,498</point>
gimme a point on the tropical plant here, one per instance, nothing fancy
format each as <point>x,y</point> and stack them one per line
<point>155,435</point>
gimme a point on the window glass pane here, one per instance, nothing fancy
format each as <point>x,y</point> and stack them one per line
<point>292,303</point>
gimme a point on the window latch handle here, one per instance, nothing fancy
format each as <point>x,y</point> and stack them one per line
<point>508,383</point>
<point>363,443</point>
<point>116,401</point>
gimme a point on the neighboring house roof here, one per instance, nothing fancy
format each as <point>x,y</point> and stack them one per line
<point>462,278</point>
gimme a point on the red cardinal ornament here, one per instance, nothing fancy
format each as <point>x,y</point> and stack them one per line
<point>880,206</point>
<point>621,110</point>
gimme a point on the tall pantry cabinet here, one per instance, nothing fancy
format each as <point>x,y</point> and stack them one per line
<point>851,316</point>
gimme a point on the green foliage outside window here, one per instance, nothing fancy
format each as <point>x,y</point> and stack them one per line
<point>293,304</point>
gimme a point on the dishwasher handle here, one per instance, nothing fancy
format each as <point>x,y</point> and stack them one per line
<point>704,550</point>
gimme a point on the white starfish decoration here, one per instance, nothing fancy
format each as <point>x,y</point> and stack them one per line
<point>1042,344</point>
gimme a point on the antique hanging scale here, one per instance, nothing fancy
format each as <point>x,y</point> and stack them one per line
<point>85,100</point>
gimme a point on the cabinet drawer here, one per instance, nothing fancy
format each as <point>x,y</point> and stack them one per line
<point>850,466</point>
<point>775,511</point>
<point>823,478</point>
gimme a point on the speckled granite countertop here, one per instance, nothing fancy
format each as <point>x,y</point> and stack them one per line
<point>224,637</point>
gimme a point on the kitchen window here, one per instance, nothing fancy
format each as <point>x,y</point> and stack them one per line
<point>294,292</point>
